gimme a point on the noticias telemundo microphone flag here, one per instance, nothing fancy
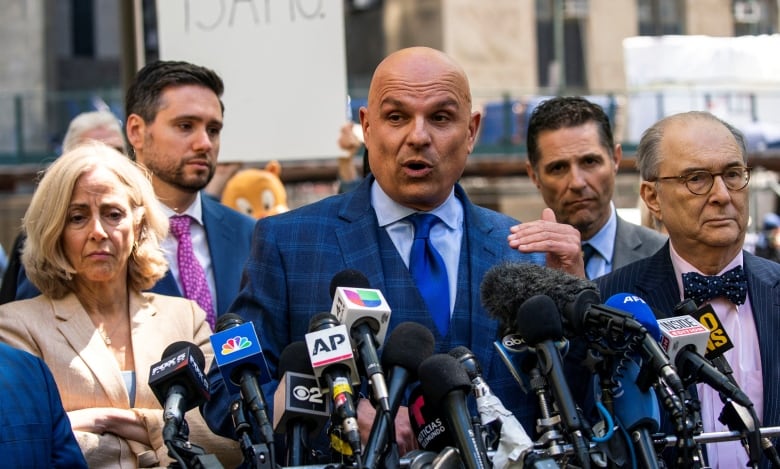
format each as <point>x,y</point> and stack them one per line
<point>361,304</point>
<point>235,346</point>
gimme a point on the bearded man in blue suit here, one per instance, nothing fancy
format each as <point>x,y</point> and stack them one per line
<point>419,130</point>
<point>695,180</point>
<point>174,125</point>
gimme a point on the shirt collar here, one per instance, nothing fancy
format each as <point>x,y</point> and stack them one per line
<point>195,210</point>
<point>388,211</point>
<point>604,240</point>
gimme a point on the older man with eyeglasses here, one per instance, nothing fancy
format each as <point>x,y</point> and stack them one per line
<point>695,180</point>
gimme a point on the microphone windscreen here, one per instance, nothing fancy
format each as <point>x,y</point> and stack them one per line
<point>637,307</point>
<point>407,346</point>
<point>295,358</point>
<point>227,321</point>
<point>539,319</point>
<point>322,321</point>
<point>195,351</point>
<point>441,374</point>
<point>348,278</point>
<point>506,286</point>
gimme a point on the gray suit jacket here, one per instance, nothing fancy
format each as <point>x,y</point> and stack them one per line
<point>634,242</point>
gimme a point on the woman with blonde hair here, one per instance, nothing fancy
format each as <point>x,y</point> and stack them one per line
<point>93,232</point>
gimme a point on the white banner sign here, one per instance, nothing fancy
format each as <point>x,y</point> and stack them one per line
<point>284,67</point>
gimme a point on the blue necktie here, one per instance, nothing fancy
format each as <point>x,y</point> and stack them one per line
<point>429,272</point>
<point>587,253</point>
<point>701,288</point>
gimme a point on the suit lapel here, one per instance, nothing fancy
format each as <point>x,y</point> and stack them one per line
<point>83,337</point>
<point>360,229</point>
<point>482,255</point>
<point>143,331</point>
<point>657,284</point>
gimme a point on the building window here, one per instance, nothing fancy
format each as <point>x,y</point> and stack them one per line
<point>572,20</point>
<point>83,20</point>
<point>660,17</point>
<point>752,17</point>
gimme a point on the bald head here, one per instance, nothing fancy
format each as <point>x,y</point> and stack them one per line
<point>421,65</point>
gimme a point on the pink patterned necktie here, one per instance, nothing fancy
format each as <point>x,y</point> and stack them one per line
<point>193,279</point>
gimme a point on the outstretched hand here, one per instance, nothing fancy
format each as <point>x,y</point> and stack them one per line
<point>559,241</point>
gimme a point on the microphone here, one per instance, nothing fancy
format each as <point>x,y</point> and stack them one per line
<point>366,315</point>
<point>685,337</point>
<point>508,285</point>
<point>407,346</point>
<point>178,384</point>
<point>430,429</point>
<point>243,368</point>
<point>538,322</point>
<point>445,382</point>
<point>627,312</point>
<point>334,369</point>
<point>300,409</point>
<point>514,443</point>
<point>518,358</point>
<point>636,410</point>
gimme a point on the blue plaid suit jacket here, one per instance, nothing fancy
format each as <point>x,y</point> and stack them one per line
<point>653,280</point>
<point>296,254</point>
<point>34,428</point>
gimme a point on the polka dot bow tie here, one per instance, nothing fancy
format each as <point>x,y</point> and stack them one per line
<point>701,288</point>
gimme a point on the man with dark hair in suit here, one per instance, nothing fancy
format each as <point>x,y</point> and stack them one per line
<point>695,181</point>
<point>34,429</point>
<point>573,161</point>
<point>174,121</point>
<point>419,130</point>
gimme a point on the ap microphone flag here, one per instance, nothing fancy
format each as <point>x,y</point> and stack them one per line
<point>239,345</point>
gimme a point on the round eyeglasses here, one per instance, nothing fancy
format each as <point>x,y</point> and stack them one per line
<point>700,182</point>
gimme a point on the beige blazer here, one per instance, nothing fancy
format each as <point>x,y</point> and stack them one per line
<point>87,375</point>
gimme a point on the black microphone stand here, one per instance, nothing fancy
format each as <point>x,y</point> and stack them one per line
<point>256,456</point>
<point>188,455</point>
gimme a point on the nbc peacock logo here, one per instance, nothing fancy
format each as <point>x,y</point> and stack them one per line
<point>367,298</point>
<point>235,344</point>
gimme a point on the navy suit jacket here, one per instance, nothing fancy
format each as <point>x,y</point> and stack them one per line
<point>296,254</point>
<point>34,428</point>
<point>653,280</point>
<point>229,236</point>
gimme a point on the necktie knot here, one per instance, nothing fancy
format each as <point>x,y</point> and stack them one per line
<point>180,224</point>
<point>422,224</point>
<point>587,253</point>
<point>702,288</point>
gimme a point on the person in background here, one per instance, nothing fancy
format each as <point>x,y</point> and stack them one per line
<point>348,177</point>
<point>573,161</point>
<point>100,126</point>
<point>35,431</point>
<point>695,177</point>
<point>419,130</point>
<point>174,121</point>
<point>93,231</point>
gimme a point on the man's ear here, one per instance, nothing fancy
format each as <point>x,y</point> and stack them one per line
<point>135,129</point>
<point>649,192</point>
<point>531,173</point>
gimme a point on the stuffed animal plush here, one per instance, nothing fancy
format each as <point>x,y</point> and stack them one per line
<point>257,192</point>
